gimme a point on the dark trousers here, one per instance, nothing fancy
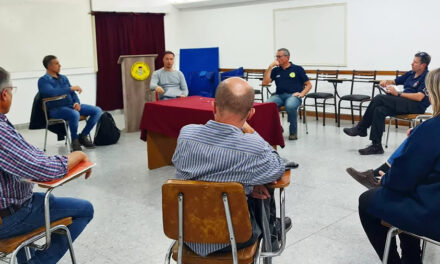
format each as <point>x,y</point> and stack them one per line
<point>382,106</point>
<point>377,233</point>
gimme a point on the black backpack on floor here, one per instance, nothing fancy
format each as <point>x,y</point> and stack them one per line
<point>107,132</point>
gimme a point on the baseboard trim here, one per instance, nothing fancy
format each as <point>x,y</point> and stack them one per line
<point>356,118</point>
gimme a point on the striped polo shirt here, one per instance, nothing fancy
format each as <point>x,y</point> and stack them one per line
<point>20,160</point>
<point>219,152</point>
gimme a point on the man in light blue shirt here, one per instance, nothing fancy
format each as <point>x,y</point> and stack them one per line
<point>227,149</point>
<point>168,82</point>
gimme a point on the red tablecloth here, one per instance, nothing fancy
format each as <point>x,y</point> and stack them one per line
<point>169,116</point>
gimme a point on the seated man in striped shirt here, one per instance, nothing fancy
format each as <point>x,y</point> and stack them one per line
<point>21,210</point>
<point>227,149</point>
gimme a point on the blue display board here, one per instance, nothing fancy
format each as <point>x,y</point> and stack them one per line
<point>201,70</point>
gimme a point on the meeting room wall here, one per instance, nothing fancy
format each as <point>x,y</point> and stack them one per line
<point>27,28</point>
<point>380,34</point>
<point>31,29</point>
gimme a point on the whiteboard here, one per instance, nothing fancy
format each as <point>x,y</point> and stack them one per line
<point>31,29</point>
<point>315,35</point>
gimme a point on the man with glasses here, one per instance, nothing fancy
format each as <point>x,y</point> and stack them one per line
<point>22,210</point>
<point>412,100</point>
<point>70,109</point>
<point>292,84</point>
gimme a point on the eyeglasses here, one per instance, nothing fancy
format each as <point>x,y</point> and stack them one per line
<point>279,56</point>
<point>13,89</point>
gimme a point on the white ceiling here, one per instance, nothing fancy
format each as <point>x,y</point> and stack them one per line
<point>190,4</point>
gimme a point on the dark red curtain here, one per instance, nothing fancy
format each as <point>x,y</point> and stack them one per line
<point>123,34</point>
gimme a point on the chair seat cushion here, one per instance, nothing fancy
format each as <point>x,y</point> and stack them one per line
<point>245,256</point>
<point>320,95</point>
<point>355,97</point>
<point>8,245</point>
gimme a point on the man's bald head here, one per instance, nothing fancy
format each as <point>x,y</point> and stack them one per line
<point>235,96</point>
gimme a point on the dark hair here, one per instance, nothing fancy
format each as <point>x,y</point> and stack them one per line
<point>47,60</point>
<point>424,57</point>
<point>226,99</point>
<point>168,52</point>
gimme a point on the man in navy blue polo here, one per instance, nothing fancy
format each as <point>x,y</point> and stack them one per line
<point>412,100</point>
<point>292,84</point>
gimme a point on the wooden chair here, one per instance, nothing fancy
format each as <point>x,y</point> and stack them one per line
<point>11,246</point>
<point>357,100</point>
<point>211,212</point>
<point>394,231</point>
<point>53,121</point>
<point>320,98</point>
<point>411,118</point>
<point>14,244</point>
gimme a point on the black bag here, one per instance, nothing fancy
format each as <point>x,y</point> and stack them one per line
<point>107,132</point>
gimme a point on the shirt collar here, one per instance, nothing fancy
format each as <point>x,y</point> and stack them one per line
<point>217,125</point>
<point>51,77</point>
<point>3,117</point>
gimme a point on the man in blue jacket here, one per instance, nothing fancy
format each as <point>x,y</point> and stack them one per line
<point>70,109</point>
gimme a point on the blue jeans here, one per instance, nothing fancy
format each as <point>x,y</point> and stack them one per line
<point>397,152</point>
<point>31,217</point>
<point>72,117</point>
<point>291,103</point>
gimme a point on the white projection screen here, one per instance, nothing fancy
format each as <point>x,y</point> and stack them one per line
<point>315,35</point>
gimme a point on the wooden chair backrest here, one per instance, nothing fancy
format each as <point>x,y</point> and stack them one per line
<point>204,217</point>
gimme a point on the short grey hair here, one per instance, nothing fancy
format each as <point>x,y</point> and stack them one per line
<point>285,51</point>
<point>5,79</point>
<point>226,99</point>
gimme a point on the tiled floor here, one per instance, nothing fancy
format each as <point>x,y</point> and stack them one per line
<point>322,199</point>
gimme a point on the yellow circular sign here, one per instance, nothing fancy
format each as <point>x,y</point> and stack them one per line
<point>292,75</point>
<point>140,71</point>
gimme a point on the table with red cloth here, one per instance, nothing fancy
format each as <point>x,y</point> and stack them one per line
<point>162,120</point>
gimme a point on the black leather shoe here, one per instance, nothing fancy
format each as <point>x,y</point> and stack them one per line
<point>291,165</point>
<point>287,225</point>
<point>372,149</point>
<point>85,141</point>
<point>76,146</point>
<point>293,136</point>
<point>365,178</point>
<point>355,131</point>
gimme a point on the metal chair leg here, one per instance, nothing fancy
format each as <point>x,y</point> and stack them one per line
<point>68,141</point>
<point>305,122</point>
<point>45,139</point>
<point>423,250</point>
<point>391,233</point>
<point>169,253</point>
<point>336,112</point>
<point>323,113</point>
<point>352,112</point>
<point>69,240</point>
<point>388,132</point>
<point>339,113</point>
<point>316,109</point>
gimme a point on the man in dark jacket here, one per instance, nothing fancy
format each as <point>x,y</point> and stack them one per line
<point>412,100</point>
<point>69,108</point>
